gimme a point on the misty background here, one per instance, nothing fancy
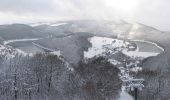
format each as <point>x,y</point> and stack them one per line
<point>154,13</point>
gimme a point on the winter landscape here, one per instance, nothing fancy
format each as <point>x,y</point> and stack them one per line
<point>84,56</point>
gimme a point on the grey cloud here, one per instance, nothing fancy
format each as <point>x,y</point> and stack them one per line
<point>155,13</point>
<point>74,8</point>
<point>26,6</point>
<point>150,12</point>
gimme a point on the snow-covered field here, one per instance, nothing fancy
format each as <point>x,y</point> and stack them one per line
<point>58,24</point>
<point>20,40</point>
<point>124,95</point>
<point>100,44</point>
<point>50,24</point>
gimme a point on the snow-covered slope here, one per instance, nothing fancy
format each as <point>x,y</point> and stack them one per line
<point>19,40</point>
<point>47,23</point>
<point>9,52</point>
<point>109,47</point>
<point>101,45</point>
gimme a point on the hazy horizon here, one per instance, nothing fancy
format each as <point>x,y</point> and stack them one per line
<point>154,13</point>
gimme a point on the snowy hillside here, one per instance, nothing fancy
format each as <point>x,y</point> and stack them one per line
<point>46,23</point>
<point>101,45</point>
<point>9,52</point>
<point>109,47</point>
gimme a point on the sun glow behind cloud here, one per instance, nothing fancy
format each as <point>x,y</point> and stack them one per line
<point>126,6</point>
<point>150,12</point>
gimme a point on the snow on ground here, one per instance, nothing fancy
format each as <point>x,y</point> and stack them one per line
<point>58,53</point>
<point>58,24</point>
<point>114,62</point>
<point>23,53</point>
<point>124,95</point>
<point>19,40</point>
<point>9,52</point>
<point>40,23</point>
<point>98,43</point>
<point>103,44</point>
<point>44,23</point>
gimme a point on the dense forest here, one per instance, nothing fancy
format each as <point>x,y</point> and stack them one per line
<point>46,77</point>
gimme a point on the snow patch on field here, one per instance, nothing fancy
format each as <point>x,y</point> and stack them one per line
<point>40,23</point>
<point>58,24</point>
<point>100,45</point>
<point>19,40</point>
<point>103,45</point>
<point>114,62</point>
<point>58,53</point>
<point>50,24</point>
<point>124,95</point>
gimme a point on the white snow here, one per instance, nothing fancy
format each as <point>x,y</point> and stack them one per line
<point>98,43</point>
<point>40,23</point>
<point>114,62</point>
<point>9,52</point>
<point>20,40</point>
<point>45,23</point>
<point>58,24</point>
<point>102,44</point>
<point>58,53</point>
<point>23,53</point>
<point>124,95</point>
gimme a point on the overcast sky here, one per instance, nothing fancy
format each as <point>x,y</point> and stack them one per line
<point>154,13</point>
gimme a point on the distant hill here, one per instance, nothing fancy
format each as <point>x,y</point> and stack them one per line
<point>18,31</point>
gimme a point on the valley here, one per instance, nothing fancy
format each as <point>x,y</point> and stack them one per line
<point>80,42</point>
